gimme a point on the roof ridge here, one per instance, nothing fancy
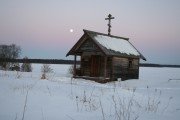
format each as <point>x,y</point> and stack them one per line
<point>87,31</point>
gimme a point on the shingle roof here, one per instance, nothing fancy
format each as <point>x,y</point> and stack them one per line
<point>112,45</point>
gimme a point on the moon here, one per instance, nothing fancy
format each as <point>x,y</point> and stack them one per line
<point>71,30</point>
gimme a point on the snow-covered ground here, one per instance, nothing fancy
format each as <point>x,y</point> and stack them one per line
<point>24,96</point>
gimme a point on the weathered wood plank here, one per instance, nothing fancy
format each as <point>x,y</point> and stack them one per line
<point>88,45</point>
<point>125,68</point>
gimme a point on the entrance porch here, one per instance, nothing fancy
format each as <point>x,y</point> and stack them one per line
<point>92,67</point>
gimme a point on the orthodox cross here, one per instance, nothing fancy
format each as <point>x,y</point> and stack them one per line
<point>109,24</point>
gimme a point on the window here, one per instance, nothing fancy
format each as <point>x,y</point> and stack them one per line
<point>130,64</point>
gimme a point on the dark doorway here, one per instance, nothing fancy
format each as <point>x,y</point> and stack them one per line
<point>95,65</point>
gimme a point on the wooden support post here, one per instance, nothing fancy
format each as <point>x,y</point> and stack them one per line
<point>105,64</point>
<point>112,69</point>
<point>138,70</point>
<point>75,55</point>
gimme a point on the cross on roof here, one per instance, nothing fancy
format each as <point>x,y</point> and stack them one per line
<point>109,24</point>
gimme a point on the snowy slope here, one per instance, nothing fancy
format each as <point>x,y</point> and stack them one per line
<point>155,96</point>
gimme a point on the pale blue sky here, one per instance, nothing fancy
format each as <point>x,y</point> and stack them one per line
<point>41,27</point>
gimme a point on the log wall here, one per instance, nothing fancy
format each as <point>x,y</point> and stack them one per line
<point>125,68</point>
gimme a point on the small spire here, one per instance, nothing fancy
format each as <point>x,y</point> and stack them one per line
<point>109,24</point>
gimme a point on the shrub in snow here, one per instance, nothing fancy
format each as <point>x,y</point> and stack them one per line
<point>26,67</point>
<point>45,69</point>
<point>14,67</point>
<point>71,70</point>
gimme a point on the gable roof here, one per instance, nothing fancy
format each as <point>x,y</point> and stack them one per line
<point>108,44</point>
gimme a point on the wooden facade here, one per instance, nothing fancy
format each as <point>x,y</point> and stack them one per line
<point>101,64</point>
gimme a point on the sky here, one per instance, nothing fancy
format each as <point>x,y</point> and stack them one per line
<point>42,27</point>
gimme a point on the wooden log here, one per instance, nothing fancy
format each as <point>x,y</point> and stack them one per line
<point>75,64</point>
<point>105,63</point>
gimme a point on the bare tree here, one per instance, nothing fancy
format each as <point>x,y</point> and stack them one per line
<point>15,51</point>
<point>9,52</point>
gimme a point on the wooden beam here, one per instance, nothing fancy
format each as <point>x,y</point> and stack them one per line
<point>138,68</point>
<point>112,68</point>
<point>105,64</point>
<point>75,57</point>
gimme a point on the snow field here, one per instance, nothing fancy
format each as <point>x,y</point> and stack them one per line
<point>155,95</point>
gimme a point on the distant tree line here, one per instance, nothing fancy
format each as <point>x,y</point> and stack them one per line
<point>43,61</point>
<point>9,55</point>
<point>61,61</point>
<point>157,65</point>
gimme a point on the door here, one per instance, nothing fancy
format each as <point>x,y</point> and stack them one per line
<point>95,65</point>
